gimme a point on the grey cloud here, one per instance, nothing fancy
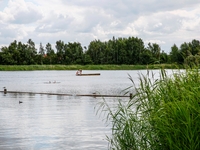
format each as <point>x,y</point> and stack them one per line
<point>26,16</point>
<point>127,11</point>
<point>135,6</point>
<point>55,24</point>
<point>8,32</point>
<point>85,20</point>
<point>163,24</point>
<point>92,18</point>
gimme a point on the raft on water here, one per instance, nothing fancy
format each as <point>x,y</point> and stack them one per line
<point>89,74</point>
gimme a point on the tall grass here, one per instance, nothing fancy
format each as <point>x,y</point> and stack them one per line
<point>84,67</point>
<point>164,114</point>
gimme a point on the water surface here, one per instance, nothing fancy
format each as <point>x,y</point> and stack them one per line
<point>53,121</point>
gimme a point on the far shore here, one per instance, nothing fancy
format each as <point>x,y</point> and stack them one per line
<point>86,67</point>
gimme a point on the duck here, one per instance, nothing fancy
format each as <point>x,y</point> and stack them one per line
<point>5,90</point>
<point>20,102</point>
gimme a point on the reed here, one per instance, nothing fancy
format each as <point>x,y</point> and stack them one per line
<point>84,67</point>
<point>163,114</point>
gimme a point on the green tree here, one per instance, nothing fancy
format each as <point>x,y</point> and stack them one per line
<point>6,56</point>
<point>73,53</point>
<point>60,51</point>
<point>134,47</point>
<point>164,58</point>
<point>195,47</point>
<point>86,59</point>
<point>146,57</point>
<point>41,53</point>
<point>10,55</point>
<point>31,52</point>
<point>155,50</point>
<point>22,48</point>
<point>94,50</point>
<point>174,54</point>
<point>50,54</point>
<point>121,53</point>
<point>185,50</point>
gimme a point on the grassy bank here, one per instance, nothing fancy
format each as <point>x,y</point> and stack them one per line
<point>163,114</point>
<point>84,67</point>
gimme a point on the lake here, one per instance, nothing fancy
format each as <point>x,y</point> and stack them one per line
<point>46,121</point>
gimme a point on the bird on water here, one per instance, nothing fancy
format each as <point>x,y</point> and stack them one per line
<point>4,90</point>
<point>20,102</point>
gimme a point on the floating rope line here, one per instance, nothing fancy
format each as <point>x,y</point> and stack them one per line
<point>88,95</point>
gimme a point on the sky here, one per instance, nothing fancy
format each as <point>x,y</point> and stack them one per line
<point>166,22</point>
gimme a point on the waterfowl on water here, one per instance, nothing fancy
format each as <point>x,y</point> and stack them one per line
<point>5,90</point>
<point>20,102</point>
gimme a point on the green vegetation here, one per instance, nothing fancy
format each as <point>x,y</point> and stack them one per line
<point>163,114</point>
<point>127,51</point>
<point>84,67</point>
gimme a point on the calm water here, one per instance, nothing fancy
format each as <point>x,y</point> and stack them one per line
<point>57,122</point>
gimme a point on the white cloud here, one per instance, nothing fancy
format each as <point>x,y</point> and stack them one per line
<point>165,22</point>
<point>22,12</point>
<point>154,41</point>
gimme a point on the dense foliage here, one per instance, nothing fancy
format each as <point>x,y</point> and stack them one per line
<point>114,51</point>
<point>163,114</point>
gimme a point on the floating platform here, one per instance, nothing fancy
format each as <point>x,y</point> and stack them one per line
<point>89,74</point>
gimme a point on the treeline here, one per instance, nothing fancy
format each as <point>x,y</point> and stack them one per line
<point>115,51</point>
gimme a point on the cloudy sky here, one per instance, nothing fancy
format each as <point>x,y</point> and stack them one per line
<point>163,22</point>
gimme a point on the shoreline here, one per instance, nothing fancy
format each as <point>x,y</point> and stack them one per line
<point>87,67</point>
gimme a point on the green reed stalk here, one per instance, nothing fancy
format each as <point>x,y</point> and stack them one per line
<point>83,67</point>
<point>163,114</point>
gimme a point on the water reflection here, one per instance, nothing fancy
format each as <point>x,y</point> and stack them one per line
<point>50,122</point>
